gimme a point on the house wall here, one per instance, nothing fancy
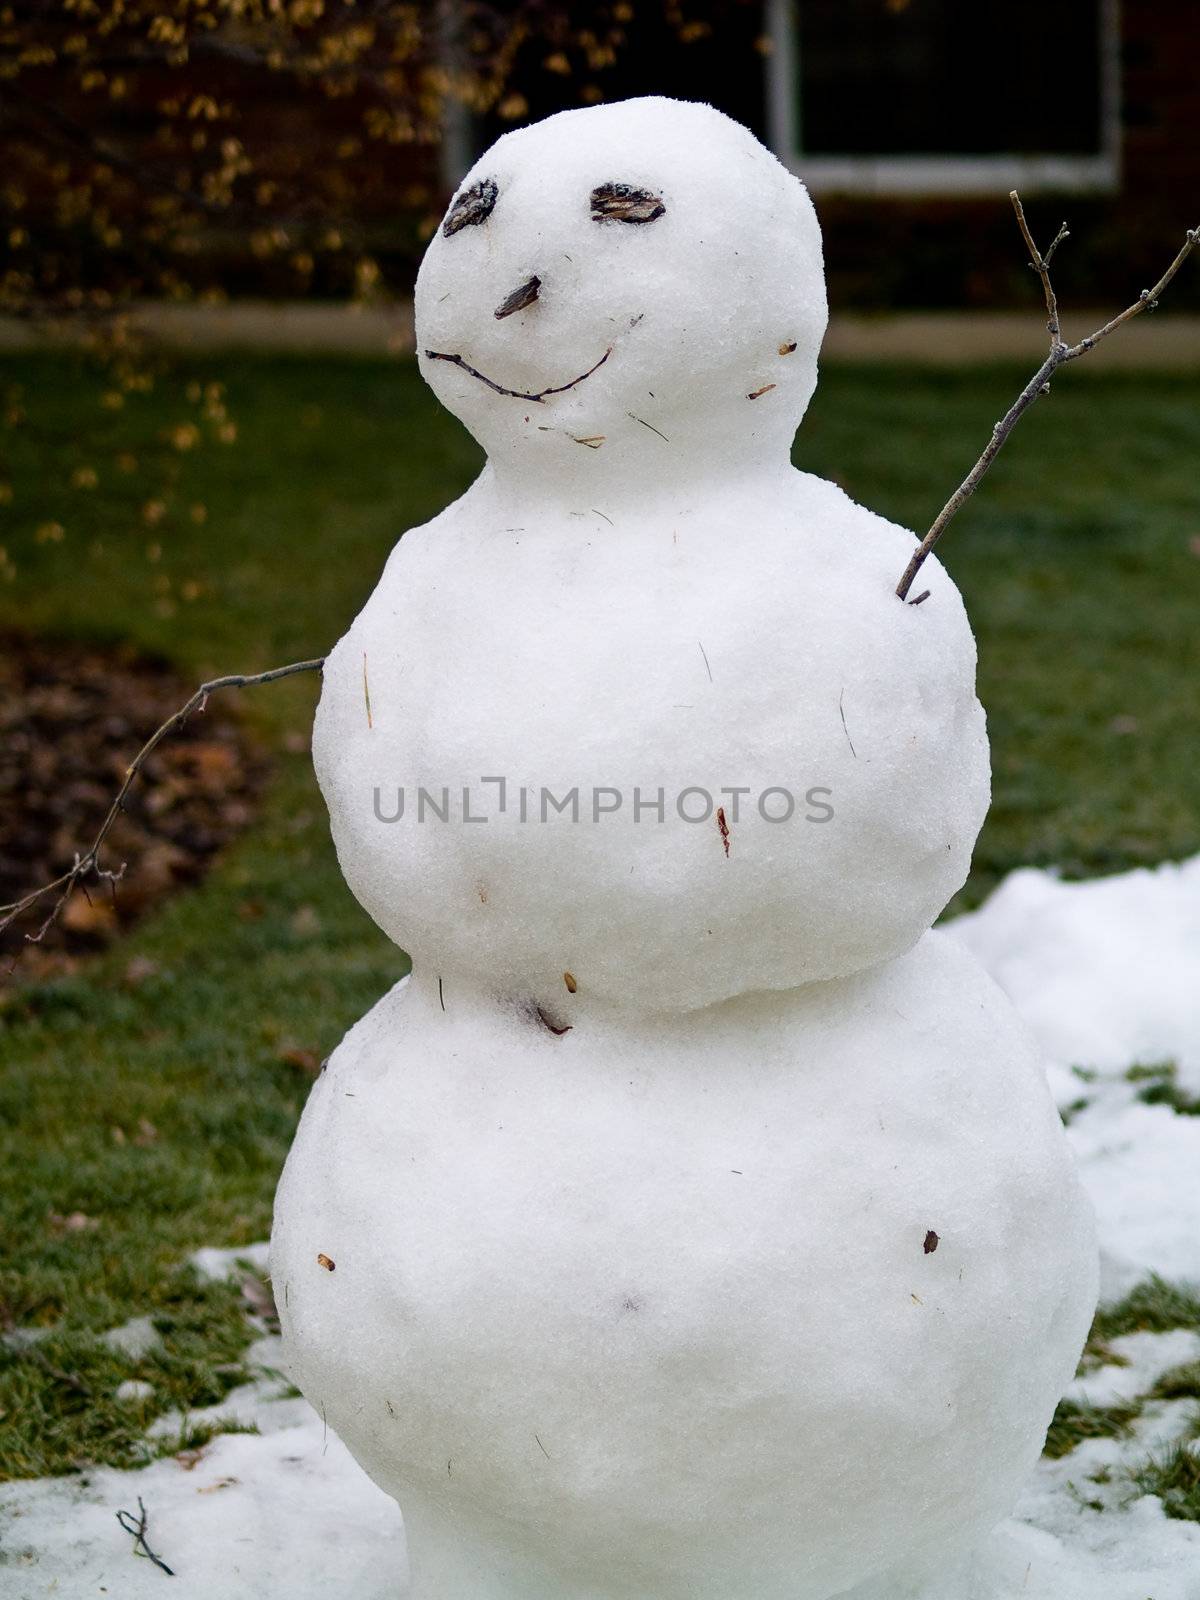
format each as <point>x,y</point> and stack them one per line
<point>914,252</point>
<point>882,251</point>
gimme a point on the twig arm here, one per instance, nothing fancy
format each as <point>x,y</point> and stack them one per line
<point>1146,301</point>
<point>1041,265</point>
<point>1039,384</point>
<point>89,861</point>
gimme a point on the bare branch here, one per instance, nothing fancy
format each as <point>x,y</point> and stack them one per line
<point>1036,385</point>
<point>1146,301</point>
<point>1041,265</point>
<point>137,1526</point>
<point>1063,233</point>
<point>88,863</point>
<point>1039,384</point>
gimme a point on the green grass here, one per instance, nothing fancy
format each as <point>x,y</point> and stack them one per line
<point>1180,1383</point>
<point>1154,1306</point>
<point>1075,562</point>
<point>1175,1478</point>
<point>1163,1089</point>
<point>60,1405</point>
<point>1075,1421</point>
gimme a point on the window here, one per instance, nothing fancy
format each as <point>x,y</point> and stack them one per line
<point>945,97</point>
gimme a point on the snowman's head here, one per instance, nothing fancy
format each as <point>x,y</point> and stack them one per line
<point>639,286</point>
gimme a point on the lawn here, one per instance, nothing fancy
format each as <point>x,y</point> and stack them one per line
<point>1079,561</point>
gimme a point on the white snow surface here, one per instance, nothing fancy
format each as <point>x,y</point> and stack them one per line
<point>287,1515</point>
<point>1106,972</point>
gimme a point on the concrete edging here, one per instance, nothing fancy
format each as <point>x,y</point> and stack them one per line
<point>1160,342</point>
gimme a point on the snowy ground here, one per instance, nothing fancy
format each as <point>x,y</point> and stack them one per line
<point>1108,975</point>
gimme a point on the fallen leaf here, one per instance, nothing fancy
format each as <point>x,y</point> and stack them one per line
<point>258,1297</point>
<point>293,1055</point>
<point>81,915</point>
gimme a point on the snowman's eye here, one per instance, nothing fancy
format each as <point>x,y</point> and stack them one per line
<point>622,202</point>
<point>471,207</point>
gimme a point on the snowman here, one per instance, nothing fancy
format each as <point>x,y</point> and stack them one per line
<point>693,1222</point>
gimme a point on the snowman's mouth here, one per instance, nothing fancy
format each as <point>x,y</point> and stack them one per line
<point>517,394</point>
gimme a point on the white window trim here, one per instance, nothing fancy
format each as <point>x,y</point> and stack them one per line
<point>949,175</point>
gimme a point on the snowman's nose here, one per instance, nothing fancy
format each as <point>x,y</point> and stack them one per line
<point>519,298</point>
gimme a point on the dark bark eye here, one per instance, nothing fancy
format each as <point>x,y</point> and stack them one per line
<point>622,202</point>
<point>471,207</point>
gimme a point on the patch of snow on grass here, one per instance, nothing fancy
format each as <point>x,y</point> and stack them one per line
<point>280,1515</point>
<point>134,1338</point>
<point>218,1266</point>
<point>1146,1357</point>
<point>1107,974</point>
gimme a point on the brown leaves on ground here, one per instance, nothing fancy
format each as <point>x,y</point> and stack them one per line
<point>72,717</point>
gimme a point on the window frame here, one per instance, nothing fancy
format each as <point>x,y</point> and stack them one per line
<point>940,176</point>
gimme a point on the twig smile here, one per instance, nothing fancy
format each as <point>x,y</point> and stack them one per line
<point>516,394</point>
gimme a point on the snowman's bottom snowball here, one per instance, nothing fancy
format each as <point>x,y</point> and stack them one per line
<point>767,1302</point>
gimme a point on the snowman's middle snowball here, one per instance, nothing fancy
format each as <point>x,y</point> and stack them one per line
<point>743,653</point>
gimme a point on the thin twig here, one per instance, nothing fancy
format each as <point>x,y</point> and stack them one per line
<point>88,863</point>
<point>845,729</point>
<point>969,484</point>
<point>1041,265</point>
<point>651,426</point>
<point>516,394</point>
<point>137,1527</point>
<point>1146,301</point>
<point>71,1380</point>
<point>1039,384</point>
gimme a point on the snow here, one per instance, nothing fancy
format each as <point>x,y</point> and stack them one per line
<point>280,1515</point>
<point>133,1391</point>
<point>133,1339</point>
<point>641,629</point>
<point>718,298</point>
<point>1107,974</point>
<point>215,1266</point>
<point>287,1513</point>
<point>1143,1359</point>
